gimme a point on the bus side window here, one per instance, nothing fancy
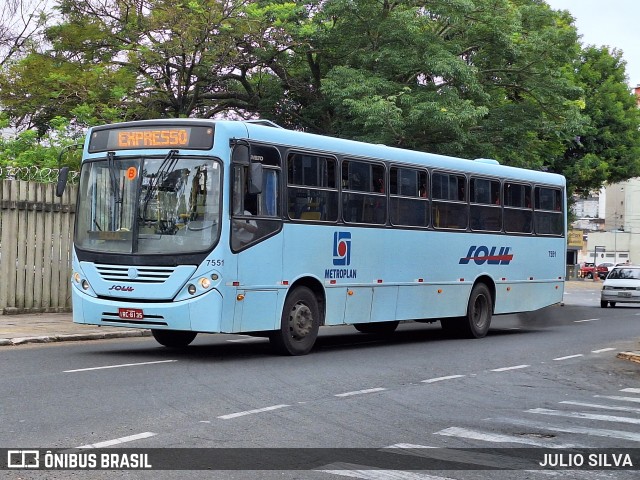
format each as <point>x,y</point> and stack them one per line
<point>363,198</point>
<point>312,192</point>
<point>255,216</point>
<point>408,197</point>
<point>517,213</point>
<point>449,205</point>
<point>485,211</point>
<point>548,215</point>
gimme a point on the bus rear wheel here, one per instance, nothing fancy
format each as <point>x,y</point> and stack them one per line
<point>477,321</point>
<point>479,311</point>
<point>299,323</point>
<point>379,328</point>
<point>173,338</point>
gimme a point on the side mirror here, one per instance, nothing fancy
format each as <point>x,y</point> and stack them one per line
<point>240,154</point>
<point>255,178</point>
<point>63,174</point>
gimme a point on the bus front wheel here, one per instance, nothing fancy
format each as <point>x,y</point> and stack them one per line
<point>173,338</point>
<point>299,323</point>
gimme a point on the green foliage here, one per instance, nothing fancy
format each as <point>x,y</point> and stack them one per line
<point>607,149</point>
<point>504,79</point>
<point>28,148</point>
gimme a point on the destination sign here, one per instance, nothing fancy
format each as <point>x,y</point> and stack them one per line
<point>131,138</point>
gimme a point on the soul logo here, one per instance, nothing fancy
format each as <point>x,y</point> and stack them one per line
<point>490,255</point>
<point>122,288</point>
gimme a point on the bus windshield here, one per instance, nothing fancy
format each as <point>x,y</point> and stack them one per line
<point>149,205</point>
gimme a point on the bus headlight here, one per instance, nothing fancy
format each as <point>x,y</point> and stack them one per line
<point>205,283</point>
<point>192,289</point>
<point>85,284</point>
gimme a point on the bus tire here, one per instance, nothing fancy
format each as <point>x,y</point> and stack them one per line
<point>299,323</point>
<point>173,338</point>
<point>380,328</point>
<point>479,310</point>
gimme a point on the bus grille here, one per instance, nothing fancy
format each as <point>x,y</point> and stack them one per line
<point>123,273</point>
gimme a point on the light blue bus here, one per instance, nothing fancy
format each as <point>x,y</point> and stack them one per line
<point>200,226</point>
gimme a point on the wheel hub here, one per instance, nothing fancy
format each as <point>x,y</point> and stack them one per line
<point>300,321</point>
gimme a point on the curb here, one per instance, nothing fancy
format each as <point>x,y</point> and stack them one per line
<point>632,356</point>
<point>77,337</point>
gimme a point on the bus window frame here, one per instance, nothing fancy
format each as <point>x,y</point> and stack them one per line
<point>286,185</point>
<point>377,195</point>
<point>426,199</point>
<point>510,208</point>
<point>436,202</point>
<point>560,213</point>
<point>277,218</point>
<point>492,205</point>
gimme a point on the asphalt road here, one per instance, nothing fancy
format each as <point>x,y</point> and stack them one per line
<point>547,379</point>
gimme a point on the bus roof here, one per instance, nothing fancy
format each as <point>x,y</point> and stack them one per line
<point>269,132</point>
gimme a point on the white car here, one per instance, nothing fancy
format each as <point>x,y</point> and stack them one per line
<point>621,285</point>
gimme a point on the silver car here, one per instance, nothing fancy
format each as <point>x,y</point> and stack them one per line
<point>621,285</point>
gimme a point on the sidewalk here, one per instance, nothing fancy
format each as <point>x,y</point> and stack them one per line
<point>56,327</point>
<point>59,327</point>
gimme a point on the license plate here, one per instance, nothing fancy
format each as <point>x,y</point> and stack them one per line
<point>624,294</point>
<point>131,313</point>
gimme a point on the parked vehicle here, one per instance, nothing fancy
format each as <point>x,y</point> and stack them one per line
<point>588,269</point>
<point>622,285</point>
<point>604,269</point>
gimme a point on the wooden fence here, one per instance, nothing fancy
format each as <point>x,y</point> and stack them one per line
<point>36,233</point>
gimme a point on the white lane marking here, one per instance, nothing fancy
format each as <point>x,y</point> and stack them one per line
<point>605,407</point>
<point>587,320</point>
<point>367,473</point>
<point>439,379</point>
<point>569,356</point>
<point>622,399</point>
<point>589,416</point>
<point>410,446</point>
<point>468,457</point>
<point>118,441</point>
<point>515,367</point>
<point>118,366</point>
<point>496,437</point>
<point>360,392</point>
<point>250,412</point>
<point>596,432</point>
<point>631,390</point>
<point>602,350</point>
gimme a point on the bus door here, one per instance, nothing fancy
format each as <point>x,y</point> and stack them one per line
<point>255,224</point>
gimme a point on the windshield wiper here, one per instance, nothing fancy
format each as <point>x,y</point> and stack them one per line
<point>113,174</point>
<point>168,163</point>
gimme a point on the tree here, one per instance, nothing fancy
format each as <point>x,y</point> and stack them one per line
<point>607,149</point>
<point>20,21</point>
<point>27,149</point>
<point>474,79</point>
<point>503,79</point>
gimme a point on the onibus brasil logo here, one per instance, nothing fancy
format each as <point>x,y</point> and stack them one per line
<point>341,257</point>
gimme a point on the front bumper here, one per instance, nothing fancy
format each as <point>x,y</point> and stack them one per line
<point>200,314</point>
<point>622,296</point>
